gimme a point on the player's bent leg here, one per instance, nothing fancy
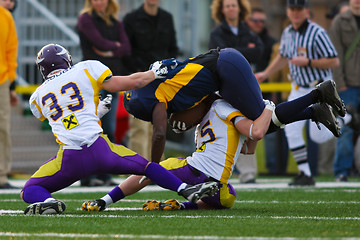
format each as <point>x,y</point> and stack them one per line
<point>223,199</point>
<point>238,83</point>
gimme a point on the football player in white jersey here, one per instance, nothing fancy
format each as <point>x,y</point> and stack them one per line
<point>69,100</point>
<point>221,136</point>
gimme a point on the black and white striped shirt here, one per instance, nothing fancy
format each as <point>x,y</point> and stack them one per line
<point>312,41</point>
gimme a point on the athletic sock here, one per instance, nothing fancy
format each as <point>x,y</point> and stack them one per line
<point>33,194</point>
<point>162,177</point>
<point>300,156</point>
<point>113,196</point>
<point>49,199</point>
<point>305,168</point>
<point>296,109</point>
<point>107,199</point>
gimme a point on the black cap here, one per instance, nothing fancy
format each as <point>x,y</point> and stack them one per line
<point>297,3</point>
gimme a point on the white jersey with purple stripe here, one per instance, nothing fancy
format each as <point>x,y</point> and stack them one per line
<point>218,142</point>
<point>69,101</point>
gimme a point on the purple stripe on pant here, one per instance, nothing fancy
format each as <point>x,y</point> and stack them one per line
<point>193,177</point>
<point>98,158</point>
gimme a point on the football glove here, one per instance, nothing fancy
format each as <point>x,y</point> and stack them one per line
<point>269,105</point>
<point>179,127</point>
<point>104,106</point>
<point>161,68</point>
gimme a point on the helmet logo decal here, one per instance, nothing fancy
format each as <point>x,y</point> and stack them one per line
<point>63,51</point>
<point>39,60</point>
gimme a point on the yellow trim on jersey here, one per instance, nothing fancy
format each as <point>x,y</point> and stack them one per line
<point>103,76</point>
<point>42,118</point>
<point>97,83</point>
<point>174,163</point>
<point>118,149</point>
<point>97,86</point>
<point>226,198</point>
<point>234,114</point>
<point>51,167</point>
<point>167,90</point>
<point>233,137</point>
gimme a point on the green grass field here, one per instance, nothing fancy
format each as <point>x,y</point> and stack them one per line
<point>266,210</point>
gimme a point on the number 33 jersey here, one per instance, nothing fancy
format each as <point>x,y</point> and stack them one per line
<point>218,142</point>
<point>69,102</point>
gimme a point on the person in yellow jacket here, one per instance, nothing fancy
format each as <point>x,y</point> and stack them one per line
<point>8,64</point>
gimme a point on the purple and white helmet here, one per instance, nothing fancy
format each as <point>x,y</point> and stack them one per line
<point>53,58</point>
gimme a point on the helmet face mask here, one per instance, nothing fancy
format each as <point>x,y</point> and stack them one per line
<point>53,58</point>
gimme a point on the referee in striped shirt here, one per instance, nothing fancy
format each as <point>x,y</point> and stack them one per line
<point>307,49</point>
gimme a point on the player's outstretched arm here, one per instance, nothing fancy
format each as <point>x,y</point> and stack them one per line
<point>159,120</point>
<point>133,81</point>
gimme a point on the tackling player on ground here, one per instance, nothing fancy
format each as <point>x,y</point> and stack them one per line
<point>69,99</point>
<point>222,135</point>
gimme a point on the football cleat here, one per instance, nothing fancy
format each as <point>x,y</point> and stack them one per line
<point>45,208</point>
<point>152,205</point>
<point>94,206</point>
<point>324,115</point>
<point>302,180</point>
<point>196,192</point>
<point>328,94</point>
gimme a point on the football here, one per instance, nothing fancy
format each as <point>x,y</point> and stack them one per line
<point>192,116</point>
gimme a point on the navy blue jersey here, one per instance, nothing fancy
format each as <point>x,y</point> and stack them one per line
<point>184,87</point>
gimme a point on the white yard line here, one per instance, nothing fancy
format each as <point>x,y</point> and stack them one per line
<point>142,236</point>
<point>15,213</point>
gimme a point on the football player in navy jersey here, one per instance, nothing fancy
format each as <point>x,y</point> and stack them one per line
<point>191,81</point>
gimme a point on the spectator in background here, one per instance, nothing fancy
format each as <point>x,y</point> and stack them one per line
<point>103,38</point>
<point>8,64</point>
<point>8,4</point>
<point>335,10</point>
<point>152,37</point>
<point>233,32</point>
<point>274,142</point>
<point>307,49</point>
<point>345,33</point>
<point>326,150</point>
